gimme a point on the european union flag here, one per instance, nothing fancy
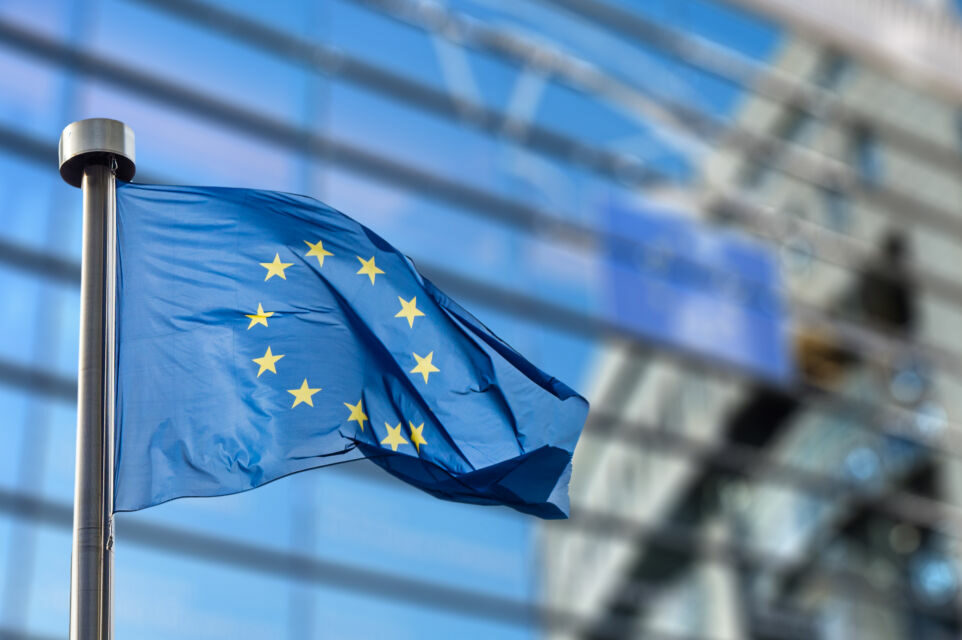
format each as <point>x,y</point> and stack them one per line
<point>260,334</point>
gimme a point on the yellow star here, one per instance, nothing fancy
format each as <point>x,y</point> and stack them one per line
<point>369,268</point>
<point>425,366</point>
<point>303,394</point>
<point>318,251</point>
<point>409,310</point>
<point>394,437</point>
<point>357,413</point>
<point>416,436</point>
<point>276,268</point>
<point>260,317</point>
<point>267,362</point>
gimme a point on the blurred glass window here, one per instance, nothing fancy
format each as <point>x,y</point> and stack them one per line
<point>865,156</point>
<point>832,69</point>
<point>838,209</point>
<point>793,127</point>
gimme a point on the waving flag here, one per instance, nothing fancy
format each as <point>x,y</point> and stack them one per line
<point>261,334</point>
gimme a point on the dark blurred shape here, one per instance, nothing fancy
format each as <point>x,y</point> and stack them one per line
<point>886,290</point>
<point>882,300</point>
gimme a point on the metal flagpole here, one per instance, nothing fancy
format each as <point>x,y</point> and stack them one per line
<point>93,154</point>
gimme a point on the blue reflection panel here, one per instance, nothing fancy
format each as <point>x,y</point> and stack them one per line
<point>697,289</point>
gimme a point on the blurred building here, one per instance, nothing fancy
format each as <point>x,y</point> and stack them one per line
<point>850,170</point>
<point>485,140</point>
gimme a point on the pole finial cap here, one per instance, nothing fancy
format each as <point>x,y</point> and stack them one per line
<point>95,141</point>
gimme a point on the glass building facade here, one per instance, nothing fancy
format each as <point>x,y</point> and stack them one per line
<point>488,141</point>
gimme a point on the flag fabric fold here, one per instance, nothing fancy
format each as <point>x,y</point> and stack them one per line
<point>260,334</point>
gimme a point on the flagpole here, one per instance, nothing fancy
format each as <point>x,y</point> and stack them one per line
<point>94,153</point>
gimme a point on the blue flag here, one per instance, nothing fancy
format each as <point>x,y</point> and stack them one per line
<point>260,334</point>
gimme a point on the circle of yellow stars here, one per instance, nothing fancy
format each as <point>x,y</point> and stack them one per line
<point>305,393</point>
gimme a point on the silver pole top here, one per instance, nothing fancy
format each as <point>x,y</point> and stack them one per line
<point>94,141</point>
